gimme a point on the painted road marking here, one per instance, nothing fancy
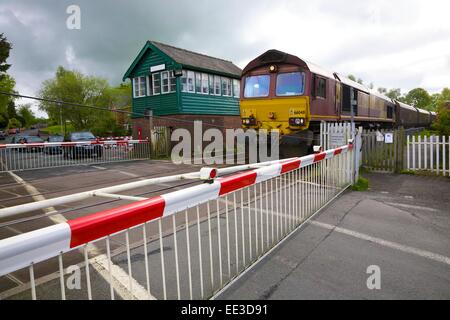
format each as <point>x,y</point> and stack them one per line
<point>408,206</point>
<point>127,173</point>
<point>393,245</point>
<point>117,273</point>
<point>99,168</point>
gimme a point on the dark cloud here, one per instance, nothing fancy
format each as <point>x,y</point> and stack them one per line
<point>333,33</point>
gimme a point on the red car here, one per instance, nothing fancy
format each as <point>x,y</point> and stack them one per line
<point>13,131</point>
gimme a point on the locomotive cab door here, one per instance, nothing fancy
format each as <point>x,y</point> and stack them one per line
<point>338,101</point>
<point>349,98</point>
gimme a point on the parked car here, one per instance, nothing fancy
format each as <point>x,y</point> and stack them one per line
<point>13,131</point>
<point>54,149</point>
<point>28,140</point>
<point>3,135</point>
<point>82,150</point>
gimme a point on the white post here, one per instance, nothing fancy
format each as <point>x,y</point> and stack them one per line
<point>407,153</point>
<point>437,154</point>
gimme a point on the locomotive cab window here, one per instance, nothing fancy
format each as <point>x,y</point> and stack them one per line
<point>290,84</point>
<point>320,87</point>
<point>257,86</point>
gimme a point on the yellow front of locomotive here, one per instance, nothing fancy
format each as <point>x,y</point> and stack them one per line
<point>274,98</point>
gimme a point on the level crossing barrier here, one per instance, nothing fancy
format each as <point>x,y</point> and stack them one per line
<point>30,156</point>
<point>187,244</point>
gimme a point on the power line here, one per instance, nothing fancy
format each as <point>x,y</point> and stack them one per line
<point>65,103</point>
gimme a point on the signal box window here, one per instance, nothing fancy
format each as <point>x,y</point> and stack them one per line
<point>257,86</point>
<point>290,84</point>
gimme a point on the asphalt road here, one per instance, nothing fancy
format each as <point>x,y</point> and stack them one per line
<point>49,183</point>
<point>207,266</point>
<point>401,225</point>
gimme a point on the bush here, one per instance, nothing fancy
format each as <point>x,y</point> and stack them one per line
<point>361,185</point>
<point>442,124</point>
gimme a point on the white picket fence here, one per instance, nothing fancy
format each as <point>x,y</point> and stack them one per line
<point>334,134</point>
<point>429,153</point>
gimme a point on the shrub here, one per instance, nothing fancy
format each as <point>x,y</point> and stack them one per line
<point>361,185</point>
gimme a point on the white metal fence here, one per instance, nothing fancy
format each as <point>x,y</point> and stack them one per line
<point>186,244</point>
<point>429,153</point>
<point>14,157</point>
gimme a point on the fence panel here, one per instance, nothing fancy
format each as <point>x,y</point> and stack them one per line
<point>160,141</point>
<point>428,154</point>
<point>380,152</point>
<point>14,157</point>
<point>188,244</point>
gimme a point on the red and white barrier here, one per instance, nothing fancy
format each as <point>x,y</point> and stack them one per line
<point>32,247</point>
<point>68,144</point>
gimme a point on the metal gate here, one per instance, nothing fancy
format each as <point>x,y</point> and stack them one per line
<point>187,244</point>
<point>160,142</point>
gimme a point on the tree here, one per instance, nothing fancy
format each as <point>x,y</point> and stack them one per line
<point>13,123</point>
<point>382,90</point>
<point>7,83</point>
<point>442,123</point>
<point>394,94</point>
<point>353,78</point>
<point>419,98</point>
<point>74,87</point>
<point>5,47</point>
<point>26,115</point>
<point>3,121</point>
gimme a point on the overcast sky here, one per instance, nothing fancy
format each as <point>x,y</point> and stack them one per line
<point>393,43</point>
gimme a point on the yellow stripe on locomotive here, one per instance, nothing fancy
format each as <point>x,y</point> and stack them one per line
<point>287,114</point>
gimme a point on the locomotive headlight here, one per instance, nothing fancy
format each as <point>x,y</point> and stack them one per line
<point>296,121</point>
<point>249,121</point>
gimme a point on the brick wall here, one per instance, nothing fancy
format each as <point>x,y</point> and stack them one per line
<point>186,122</point>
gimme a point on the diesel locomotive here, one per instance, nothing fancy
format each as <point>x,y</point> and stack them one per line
<point>284,92</point>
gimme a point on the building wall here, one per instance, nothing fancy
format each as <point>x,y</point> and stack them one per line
<point>194,103</point>
<point>186,122</point>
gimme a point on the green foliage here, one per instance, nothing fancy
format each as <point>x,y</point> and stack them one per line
<point>394,93</point>
<point>361,185</point>
<point>442,123</point>
<point>426,133</point>
<point>7,84</point>
<point>74,87</point>
<point>352,77</point>
<point>419,98</point>
<point>5,47</point>
<point>27,115</point>
<point>57,129</point>
<point>13,123</point>
<point>3,121</point>
<point>411,172</point>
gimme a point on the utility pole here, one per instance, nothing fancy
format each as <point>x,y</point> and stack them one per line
<point>61,120</point>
